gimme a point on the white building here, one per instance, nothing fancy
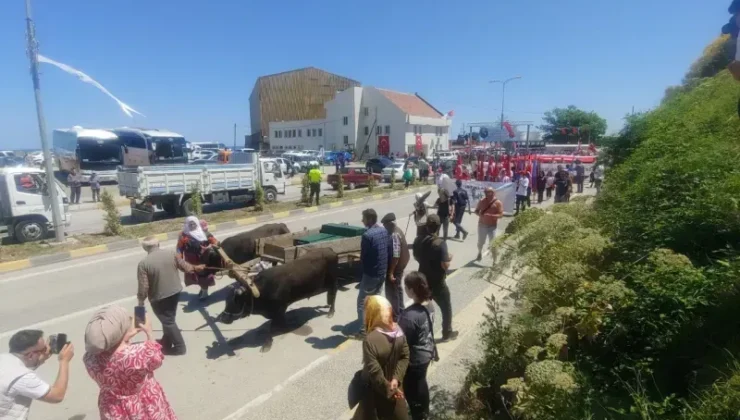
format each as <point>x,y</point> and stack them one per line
<point>379,121</point>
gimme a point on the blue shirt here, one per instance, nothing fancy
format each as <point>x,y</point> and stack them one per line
<point>375,250</point>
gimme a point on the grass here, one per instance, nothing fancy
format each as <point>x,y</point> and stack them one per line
<point>13,252</point>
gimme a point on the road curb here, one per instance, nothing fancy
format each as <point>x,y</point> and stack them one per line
<point>134,243</point>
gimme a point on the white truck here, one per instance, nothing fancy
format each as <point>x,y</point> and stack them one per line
<point>170,187</point>
<point>25,204</point>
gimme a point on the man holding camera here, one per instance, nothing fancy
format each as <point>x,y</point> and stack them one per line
<point>19,384</point>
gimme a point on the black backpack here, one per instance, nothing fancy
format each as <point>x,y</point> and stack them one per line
<point>561,184</point>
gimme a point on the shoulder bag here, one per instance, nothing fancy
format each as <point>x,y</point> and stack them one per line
<point>435,353</point>
<point>359,386</point>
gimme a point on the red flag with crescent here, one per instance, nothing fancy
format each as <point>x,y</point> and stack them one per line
<point>384,145</point>
<point>509,129</point>
<point>418,143</point>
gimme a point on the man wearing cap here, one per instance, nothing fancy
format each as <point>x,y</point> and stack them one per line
<point>434,261</point>
<point>396,265</point>
<point>159,281</point>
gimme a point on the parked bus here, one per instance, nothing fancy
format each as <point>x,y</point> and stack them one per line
<point>97,150</point>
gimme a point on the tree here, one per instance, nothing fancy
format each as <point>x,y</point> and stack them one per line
<point>714,59</point>
<point>579,124</point>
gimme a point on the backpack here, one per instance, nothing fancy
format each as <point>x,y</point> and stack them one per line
<point>561,185</point>
<point>460,197</point>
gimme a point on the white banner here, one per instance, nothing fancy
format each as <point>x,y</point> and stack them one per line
<point>504,192</point>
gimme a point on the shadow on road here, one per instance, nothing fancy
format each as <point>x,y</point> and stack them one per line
<point>295,321</point>
<point>327,343</point>
<point>194,304</point>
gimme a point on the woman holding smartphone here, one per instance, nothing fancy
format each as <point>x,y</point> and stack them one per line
<point>124,371</point>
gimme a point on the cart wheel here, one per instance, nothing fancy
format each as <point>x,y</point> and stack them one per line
<point>351,186</point>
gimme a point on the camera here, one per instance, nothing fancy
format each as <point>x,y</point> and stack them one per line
<point>57,342</point>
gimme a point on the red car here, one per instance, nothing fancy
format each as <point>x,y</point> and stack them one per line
<point>352,177</point>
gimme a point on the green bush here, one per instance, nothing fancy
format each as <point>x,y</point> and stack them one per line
<point>196,199</point>
<point>259,198</point>
<point>340,186</point>
<point>112,216</point>
<point>679,189</point>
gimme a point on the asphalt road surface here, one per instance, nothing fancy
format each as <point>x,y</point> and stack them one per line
<point>224,375</point>
<point>91,220</point>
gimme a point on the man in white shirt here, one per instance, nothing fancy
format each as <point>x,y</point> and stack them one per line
<point>19,384</point>
<point>598,177</point>
<point>522,188</point>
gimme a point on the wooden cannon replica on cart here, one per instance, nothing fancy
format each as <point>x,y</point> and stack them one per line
<point>343,239</point>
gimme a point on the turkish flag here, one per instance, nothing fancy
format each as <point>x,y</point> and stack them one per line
<point>418,143</point>
<point>384,145</point>
<point>510,129</point>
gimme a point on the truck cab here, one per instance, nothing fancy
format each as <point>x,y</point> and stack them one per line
<point>25,204</point>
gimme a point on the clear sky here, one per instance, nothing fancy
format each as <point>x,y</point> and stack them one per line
<point>190,65</point>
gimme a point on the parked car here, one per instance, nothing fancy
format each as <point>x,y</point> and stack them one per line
<point>352,177</point>
<point>388,171</point>
<point>376,165</point>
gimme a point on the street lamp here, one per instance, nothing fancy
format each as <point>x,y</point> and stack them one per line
<point>503,94</point>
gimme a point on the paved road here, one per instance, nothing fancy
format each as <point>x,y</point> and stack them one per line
<point>91,220</point>
<point>304,376</point>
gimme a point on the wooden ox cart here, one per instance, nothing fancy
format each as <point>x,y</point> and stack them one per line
<point>342,239</point>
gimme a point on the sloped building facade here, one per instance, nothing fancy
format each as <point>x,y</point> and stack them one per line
<point>289,96</point>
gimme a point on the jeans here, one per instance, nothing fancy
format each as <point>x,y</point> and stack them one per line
<point>521,200</point>
<point>579,183</point>
<point>540,194</point>
<point>441,295</point>
<point>315,190</point>
<point>445,226</point>
<point>598,185</point>
<point>368,286</point>
<point>459,213</point>
<point>166,310</point>
<point>485,231</point>
<point>394,293</point>
<point>95,194</point>
<point>74,195</point>
<point>416,389</point>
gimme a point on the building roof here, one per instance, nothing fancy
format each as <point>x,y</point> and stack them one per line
<point>304,69</point>
<point>411,104</point>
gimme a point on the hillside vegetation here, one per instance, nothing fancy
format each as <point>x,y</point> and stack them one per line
<point>627,305</point>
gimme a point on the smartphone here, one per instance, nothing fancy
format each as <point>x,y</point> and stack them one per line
<point>57,342</point>
<point>139,316</point>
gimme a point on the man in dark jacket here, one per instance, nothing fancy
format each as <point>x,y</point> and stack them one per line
<point>375,251</point>
<point>461,201</point>
<point>434,261</point>
<point>396,265</point>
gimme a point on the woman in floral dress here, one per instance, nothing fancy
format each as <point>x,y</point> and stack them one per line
<point>194,242</point>
<point>124,371</point>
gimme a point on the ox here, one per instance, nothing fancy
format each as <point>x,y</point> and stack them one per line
<point>280,286</point>
<point>243,247</point>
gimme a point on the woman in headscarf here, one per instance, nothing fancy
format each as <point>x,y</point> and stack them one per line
<point>385,357</point>
<point>124,371</point>
<point>193,246</point>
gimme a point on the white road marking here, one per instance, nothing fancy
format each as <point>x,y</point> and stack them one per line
<point>238,414</point>
<point>42,324</point>
<point>98,260</point>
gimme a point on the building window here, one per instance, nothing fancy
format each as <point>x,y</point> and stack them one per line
<point>345,120</point>
<point>366,111</point>
<point>387,129</point>
<point>294,133</point>
<point>320,132</point>
<point>367,130</point>
<point>346,139</point>
<point>300,133</point>
<point>313,132</point>
<point>367,148</point>
<point>377,130</point>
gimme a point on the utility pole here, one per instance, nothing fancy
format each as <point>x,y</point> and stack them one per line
<point>234,136</point>
<point>527,140</point>
<point>503,94</point>
<point>51,187</point>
